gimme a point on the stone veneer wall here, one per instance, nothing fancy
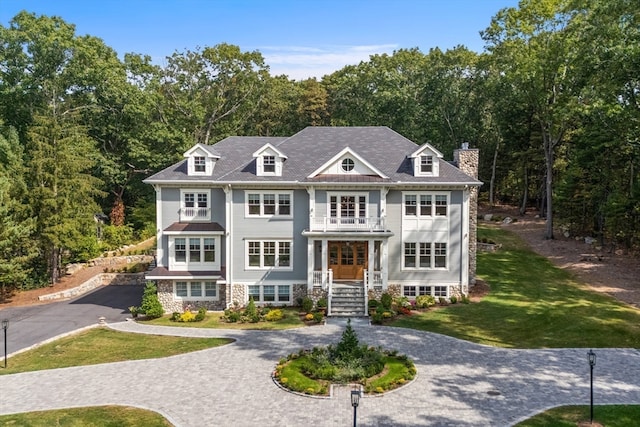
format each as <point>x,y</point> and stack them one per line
<point>395,290</point>
<point>300,291</point>
<point>171,305</point>
<point>238,295</point>
<point>102,279</point>
<point>467,160</point>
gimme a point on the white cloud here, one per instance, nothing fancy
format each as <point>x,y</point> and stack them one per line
<point>300,62</point>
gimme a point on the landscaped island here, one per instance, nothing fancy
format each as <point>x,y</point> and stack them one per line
<point>312,371</point>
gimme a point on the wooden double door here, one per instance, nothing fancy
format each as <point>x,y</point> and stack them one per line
<point>348,260</point>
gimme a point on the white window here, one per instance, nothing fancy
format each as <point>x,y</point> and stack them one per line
<point>424,255</point>
<point>195,205</point>
<point>348,206</point>
<point>348,165</point>
<point>268,254</point>
<point>268,204</point>
<point>199,164</point>
<point>194,253</point>
<point>196,290</point>
<point>425,205</point>
<point>414,291</point>
<point>269,164</point>
<point>426,164</point>
<point>270,293</point>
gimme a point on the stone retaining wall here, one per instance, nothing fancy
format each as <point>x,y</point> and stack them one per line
<point>96,281</point>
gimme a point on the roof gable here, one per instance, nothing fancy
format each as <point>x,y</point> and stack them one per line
<point>347,162</point>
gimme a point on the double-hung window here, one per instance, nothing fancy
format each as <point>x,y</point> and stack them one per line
<point>269,164</point>
<point>197,290</point>
<point>426,164</point>
<point>424,255</point>
<point>425,205</point>
<point>262,254</point>
<point>198,164</point>
<point>194,253</point>
<point>270,293</point>
<point>268,204</point>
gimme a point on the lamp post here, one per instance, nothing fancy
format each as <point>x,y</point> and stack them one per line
<point>592,362</point>
<point>5,326</point>
<point>355,401</point>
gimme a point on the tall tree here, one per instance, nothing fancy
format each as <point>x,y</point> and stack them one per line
<point>16,225</point>
<point>535,53</point>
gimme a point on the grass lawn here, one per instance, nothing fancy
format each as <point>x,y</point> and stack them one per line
<point>532,304</point>
<point>102,345</point>
<point>570,416</point>
<point>290,320</point>
<point>99,416</point>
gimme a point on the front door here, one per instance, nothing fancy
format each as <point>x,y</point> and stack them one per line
<point>348,260</point>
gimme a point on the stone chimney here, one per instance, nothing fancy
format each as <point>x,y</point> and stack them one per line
<point>466,159</point>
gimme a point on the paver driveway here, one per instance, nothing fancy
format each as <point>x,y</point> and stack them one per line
<point>458,383</point>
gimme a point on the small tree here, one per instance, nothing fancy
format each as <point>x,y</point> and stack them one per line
<point>349,346</point>
<point>151,305</point>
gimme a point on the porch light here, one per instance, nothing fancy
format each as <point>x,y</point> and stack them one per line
<point>5,326</point>
<point>591,356</point>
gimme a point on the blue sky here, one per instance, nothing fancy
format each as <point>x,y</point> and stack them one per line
<point>300,38</point>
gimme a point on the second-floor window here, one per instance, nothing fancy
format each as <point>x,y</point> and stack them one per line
<point>195,251</point>
<point>268,204</point>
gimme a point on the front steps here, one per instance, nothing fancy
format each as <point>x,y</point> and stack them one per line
<point>347,301</point>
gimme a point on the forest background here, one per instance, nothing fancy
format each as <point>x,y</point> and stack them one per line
<point>552,104</point>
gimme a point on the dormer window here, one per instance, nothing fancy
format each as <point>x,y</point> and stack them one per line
<point>348,165</point>
<point>201,159</point>
<point>269,164</point>
<point>426,164</point>
<point>269,161</point>
<point>199,164</point>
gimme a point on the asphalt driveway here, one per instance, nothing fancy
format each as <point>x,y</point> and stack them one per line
<point>34,324</point>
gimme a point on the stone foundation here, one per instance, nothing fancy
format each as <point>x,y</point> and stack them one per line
<point>171,305</point>
<point>300,291</point>
<point>394,290</point>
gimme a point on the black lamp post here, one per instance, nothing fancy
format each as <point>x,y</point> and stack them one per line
<point>5,326</point>
<point>355,401</point>
<point>592,362</point>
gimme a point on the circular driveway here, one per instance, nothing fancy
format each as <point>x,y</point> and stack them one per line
<point>458,383</point>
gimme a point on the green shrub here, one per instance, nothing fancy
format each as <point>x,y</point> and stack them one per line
<point>373,303</point>
<point>175,316</point>
<point>318,316</point>
<point>150,305</point>
<point>307,304</point>
<point>251,310</point>
<point>187,316</point>
<point>231,316</point>
<point>322,303</point>
<point>202,313</point>
<point>425,301</point>
<point>453,299</point>
<point>274,315</point>
<point>117,236</point>
<point>386,300</point>
<point>465,299</point>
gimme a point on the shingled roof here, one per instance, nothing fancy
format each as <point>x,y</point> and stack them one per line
<point>309,150</point>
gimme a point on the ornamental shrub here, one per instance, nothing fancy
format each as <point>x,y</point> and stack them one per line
<point>273,315</point>
<point>322,303</point>
<point>386,300</point>
<point>187,316</point>
<point>251,311</point>
<point>150,303</point>
<point>202,312</point>
<point>372,303</point>
<point>307,304</point>
<point>318,316</point>
<point>425,301</point>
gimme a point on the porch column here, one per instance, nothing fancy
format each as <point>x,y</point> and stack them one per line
<point>371,264</point>
<point>310,263</point>
<point>384,263</point>
<point>325,262</point>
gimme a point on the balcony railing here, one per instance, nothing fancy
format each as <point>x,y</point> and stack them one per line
<point>347,224</point>
<point>191,214</point>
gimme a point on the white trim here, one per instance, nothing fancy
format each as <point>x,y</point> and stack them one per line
<point>432,256</point>
<point>426,147</point>
<point>188,265</point>
<point>199,213</point>
<point>276,195</point>
<point>188,297</point>
<point>159,233</point>
<point>464,241</point>
<point>261,254</point>
<point>356,194</point>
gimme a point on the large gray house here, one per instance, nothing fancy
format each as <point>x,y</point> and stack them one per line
<point>345,213</point>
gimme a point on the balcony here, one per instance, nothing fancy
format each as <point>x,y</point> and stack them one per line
<point>347,224</point>
<point>194,214</point>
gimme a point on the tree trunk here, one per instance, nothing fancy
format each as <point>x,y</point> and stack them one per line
<point>525,193</point>
<point>493,174</point>
<point>117,212</point>
<point>549,158</point>
<point>54,265</point>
